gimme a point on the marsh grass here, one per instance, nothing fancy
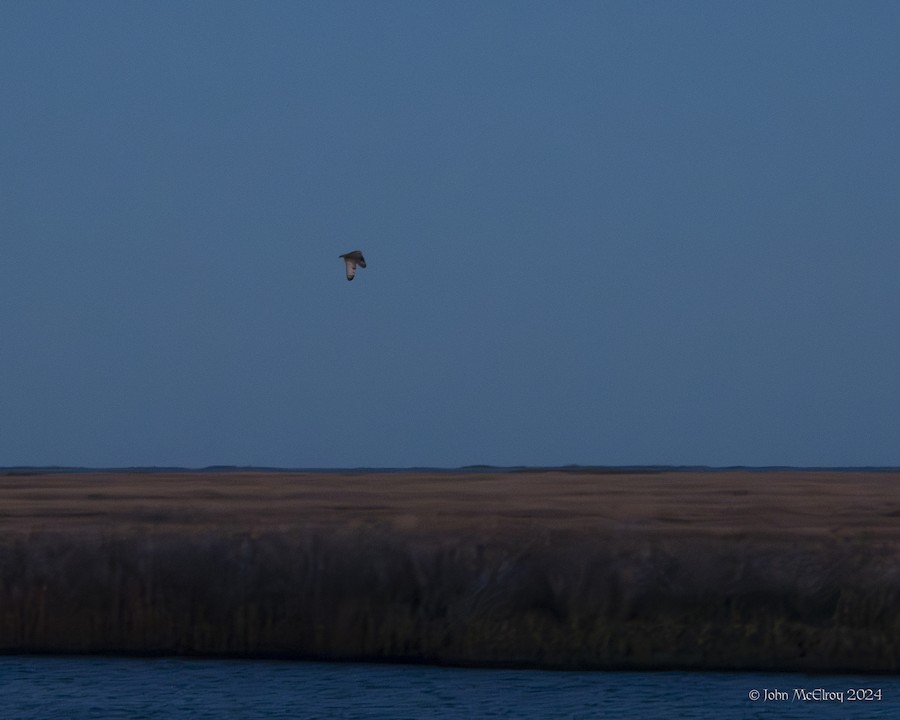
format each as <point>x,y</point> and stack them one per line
<point>551,600</point>
<point>691,571</point>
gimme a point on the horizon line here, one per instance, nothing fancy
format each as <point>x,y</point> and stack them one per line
<point>485,468</point>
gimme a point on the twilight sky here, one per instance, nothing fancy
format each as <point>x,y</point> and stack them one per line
<point>596,233</point>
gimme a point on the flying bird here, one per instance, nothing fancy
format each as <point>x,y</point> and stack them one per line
<point>351,260</point>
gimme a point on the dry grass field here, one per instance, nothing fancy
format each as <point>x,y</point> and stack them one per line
<point>779,570</point>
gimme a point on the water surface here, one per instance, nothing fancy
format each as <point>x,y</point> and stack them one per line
<point>76,687</point>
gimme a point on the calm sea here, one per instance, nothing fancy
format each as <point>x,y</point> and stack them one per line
<point>74,688</point>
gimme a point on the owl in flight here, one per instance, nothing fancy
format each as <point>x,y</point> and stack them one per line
<point>351,260</point>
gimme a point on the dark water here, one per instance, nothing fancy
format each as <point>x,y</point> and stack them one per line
<point>74,688</point>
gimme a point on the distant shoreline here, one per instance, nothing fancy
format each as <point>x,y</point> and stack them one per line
<point>583,469</point>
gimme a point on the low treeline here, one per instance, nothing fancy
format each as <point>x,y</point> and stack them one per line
<point>624,599</point>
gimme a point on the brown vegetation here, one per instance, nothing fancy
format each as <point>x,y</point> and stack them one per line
<point>765,570</point>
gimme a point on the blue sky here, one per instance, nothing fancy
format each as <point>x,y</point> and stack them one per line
<point>596,233</point>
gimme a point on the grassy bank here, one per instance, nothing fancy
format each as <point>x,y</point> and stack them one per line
<point>482,588</point>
